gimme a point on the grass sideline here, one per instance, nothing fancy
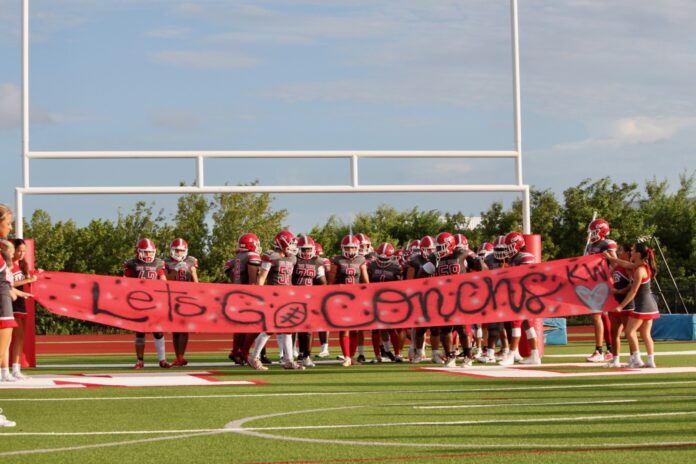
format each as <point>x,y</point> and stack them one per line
<point>368,413</point>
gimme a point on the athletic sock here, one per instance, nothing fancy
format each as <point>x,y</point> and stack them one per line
<point>344,341</point>
<point>159,346</point>
<point>16,368</point>
<point>259,344</point>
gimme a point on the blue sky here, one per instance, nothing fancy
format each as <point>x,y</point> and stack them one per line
<point>607,90</point>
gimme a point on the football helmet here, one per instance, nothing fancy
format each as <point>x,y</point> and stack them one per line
<point>598,230</point>
<point>460,241</point>
<point>349,246</point>
<point>365,244</point>
<point>286,242</point>
<point>500,250</point>
<point>307,247</point>
<point>249,242</point>
<point>385,251</point>
<point>485,249</point>
<point>319,250</point>
<point>514,242</point>
<point>145,250</point>
<point>427,246</point>
<point>178,249</point>
<point>444,244</point>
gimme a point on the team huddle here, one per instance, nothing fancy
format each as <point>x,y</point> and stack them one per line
<point>300,261</point>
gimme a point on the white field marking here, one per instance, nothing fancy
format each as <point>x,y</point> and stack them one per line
<point>236,426</point>
<point>363,392</point>
<point>537,372</point>
<point>657,353</point>
<point>493,405</point>
<point>111,432</point>
<point>101,445</point>
<point>496,422</point>
<point>228,364</point>
<point>141,379</point>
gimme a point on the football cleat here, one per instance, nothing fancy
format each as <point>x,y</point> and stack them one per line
<point>451,362</point>
<point>290,364</point>
<point>390,355</point>
<point>139,364</point>
<point>635,363</point>
<point>595,357</point>
<point>307,362</point>
<point>256,363</point>
<point>508,360</point>
<point>398,359</point>
<point>437,359</point>
<point>265,360</point>
<point>179,362</point>
<point>361,358</point>
<point>164,364</point>
<point>485,359</point>
<point>347,362</point>
<point>324,354</point>
<point>467,362</point>
<point>4,422</point>
<point>531,361</point>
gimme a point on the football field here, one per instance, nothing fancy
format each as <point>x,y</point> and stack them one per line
<point>92,408</point>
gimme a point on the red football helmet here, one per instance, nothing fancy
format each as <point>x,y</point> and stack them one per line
<point>598,230</point>
<point>411,248</point>
<point>444,244</point>
<point>318,248</point>
<point>145,250</point>
<point>460,241</point>
<point>500,250</point>
<point>427,246</point>
<point>178,249</point>
<point>365,244</point>
<point>307,247</point>
<point>514,242</point>
<point>485,249</point>
<point>349,246</point>
<point>286,242</point>
<point>249,242</point>
<point>385,251</point>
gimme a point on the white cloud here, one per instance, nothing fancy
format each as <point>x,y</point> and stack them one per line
<point>205,59</point>
<point>631,131</point>
<point>10,106</point>
<point>168,33</point>
<point>178,120</point>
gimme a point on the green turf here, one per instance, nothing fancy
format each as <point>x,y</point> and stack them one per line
<point>368,413</point>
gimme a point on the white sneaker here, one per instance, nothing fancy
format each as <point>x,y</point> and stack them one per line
<point>290,364</point>
<point>437,359</point>
<point>347,362</point>
<point>307,362</point>
<point>504,354</point>
<point>636,363</point>
<point>4,422</point>
<point>8,378</point>
<point>467,362</point>
<point>508,360</point>
<point>650,364</point>
<point>451,362</point>
<point>324,354</point>
<point>485,359</point>
<point>19,376</point>
<point>517,356</point>
<point>256,364</point>
<point>595,357</point>
<point>613,364</point>
<point>531,361</point>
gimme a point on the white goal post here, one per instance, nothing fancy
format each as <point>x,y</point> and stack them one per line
<point>201,156</point>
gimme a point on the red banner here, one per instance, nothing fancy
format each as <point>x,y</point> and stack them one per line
<point>552,289</point>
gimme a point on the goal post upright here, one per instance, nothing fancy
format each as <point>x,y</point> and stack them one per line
<point>200,157</point>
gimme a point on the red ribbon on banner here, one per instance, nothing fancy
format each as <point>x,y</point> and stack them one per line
<point>552,289</point>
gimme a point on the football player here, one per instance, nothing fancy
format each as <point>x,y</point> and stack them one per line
<point>348,268</point>
<point>146,265</point>
<point>597,242</point>
<point>182,267</point>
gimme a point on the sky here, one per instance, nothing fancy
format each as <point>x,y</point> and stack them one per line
<point>607,89</point>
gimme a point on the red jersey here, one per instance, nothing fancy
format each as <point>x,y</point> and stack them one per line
<point>279,268</point>
<point>140,270</point>
<point>237,269</point>
<point>180,270</point>
<point>348,270</point>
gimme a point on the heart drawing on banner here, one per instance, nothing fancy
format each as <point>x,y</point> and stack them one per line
<point>593,298</point>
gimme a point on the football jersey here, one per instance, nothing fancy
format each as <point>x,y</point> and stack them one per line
<point>348,270</point>
<point>388,271</point>
<point>309,271</point>
<point>140,270</point>
<point>279,268</point>
<point>237,269</point>
<point>180,270</point>
<point>493,263</point>
<point>417,262</point>
<point>600,247</point>
<point>522,258</point>
<point>452,264</point>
